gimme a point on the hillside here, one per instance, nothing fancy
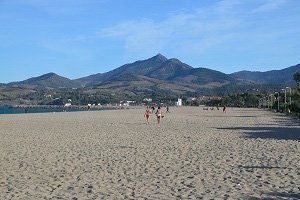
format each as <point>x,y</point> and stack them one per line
<point>11,95</point>
<point>283,76</point>
<point>157,75</point>
<point>50,80</point>
<point>205,77</point>
<point>158,67</point>
<point>161,68</point>
<point>135,85</point>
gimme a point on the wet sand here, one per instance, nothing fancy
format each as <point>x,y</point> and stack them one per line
<point>192,154</point>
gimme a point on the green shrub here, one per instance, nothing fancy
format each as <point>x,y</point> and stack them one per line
<point>295,107</point>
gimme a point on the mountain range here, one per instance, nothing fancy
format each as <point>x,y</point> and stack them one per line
<point>161,74</point>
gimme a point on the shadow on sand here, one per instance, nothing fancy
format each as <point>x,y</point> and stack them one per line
<point>279,133</point>
<point>235,116</point>
<point>260,167</point>
<point>285,129</point>
<point>277,195</point>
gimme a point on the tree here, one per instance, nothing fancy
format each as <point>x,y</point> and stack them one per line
<point>297,78</point>
<point>295,106</point>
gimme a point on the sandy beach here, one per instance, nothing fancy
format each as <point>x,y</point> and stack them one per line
<point>192,154</point>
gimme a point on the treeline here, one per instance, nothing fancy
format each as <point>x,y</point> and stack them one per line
<point>234,100</point>
<point>295,105</point>
<point>276,97</point>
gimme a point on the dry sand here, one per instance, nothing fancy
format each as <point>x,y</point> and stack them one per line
<point>193,154</point>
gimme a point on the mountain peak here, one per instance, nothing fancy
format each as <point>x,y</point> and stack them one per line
<point>159,57</point>
<point>51,74</point>
<point>175,60</point>
<point>48,75</point>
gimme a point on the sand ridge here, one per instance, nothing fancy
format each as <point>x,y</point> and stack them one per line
<point>192,154</point>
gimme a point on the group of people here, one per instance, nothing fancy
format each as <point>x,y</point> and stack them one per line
<point>159,113</point>
<point>212,108</point>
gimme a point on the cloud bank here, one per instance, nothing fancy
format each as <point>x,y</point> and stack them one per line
<point>197,30</point>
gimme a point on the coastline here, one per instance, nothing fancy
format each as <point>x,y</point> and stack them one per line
<point>19,109</point>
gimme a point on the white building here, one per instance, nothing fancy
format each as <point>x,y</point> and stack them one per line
<point>127,103</point>
<point>67,104</point>
<point>147,99</point>
<point>179,102</point>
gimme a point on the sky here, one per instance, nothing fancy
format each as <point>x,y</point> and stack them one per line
<point>77,38</point>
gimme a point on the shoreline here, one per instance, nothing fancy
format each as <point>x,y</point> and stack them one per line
<point>62,106</point>
<point>21,109</point>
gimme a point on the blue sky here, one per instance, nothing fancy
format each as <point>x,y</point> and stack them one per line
<point>76,38</point>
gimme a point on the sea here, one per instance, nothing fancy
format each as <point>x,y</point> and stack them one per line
<point>17,110</point>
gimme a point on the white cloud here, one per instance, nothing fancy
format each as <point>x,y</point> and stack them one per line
<point>181,30</point>
<point>235,24</point>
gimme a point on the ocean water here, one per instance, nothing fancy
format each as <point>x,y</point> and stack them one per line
<point>12,110</point>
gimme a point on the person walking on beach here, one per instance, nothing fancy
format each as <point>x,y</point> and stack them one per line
<point>159,115</point>
<point>168,109</point>
<point>153,109</point>
<point>147,114</point>
<point>224,109</point>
